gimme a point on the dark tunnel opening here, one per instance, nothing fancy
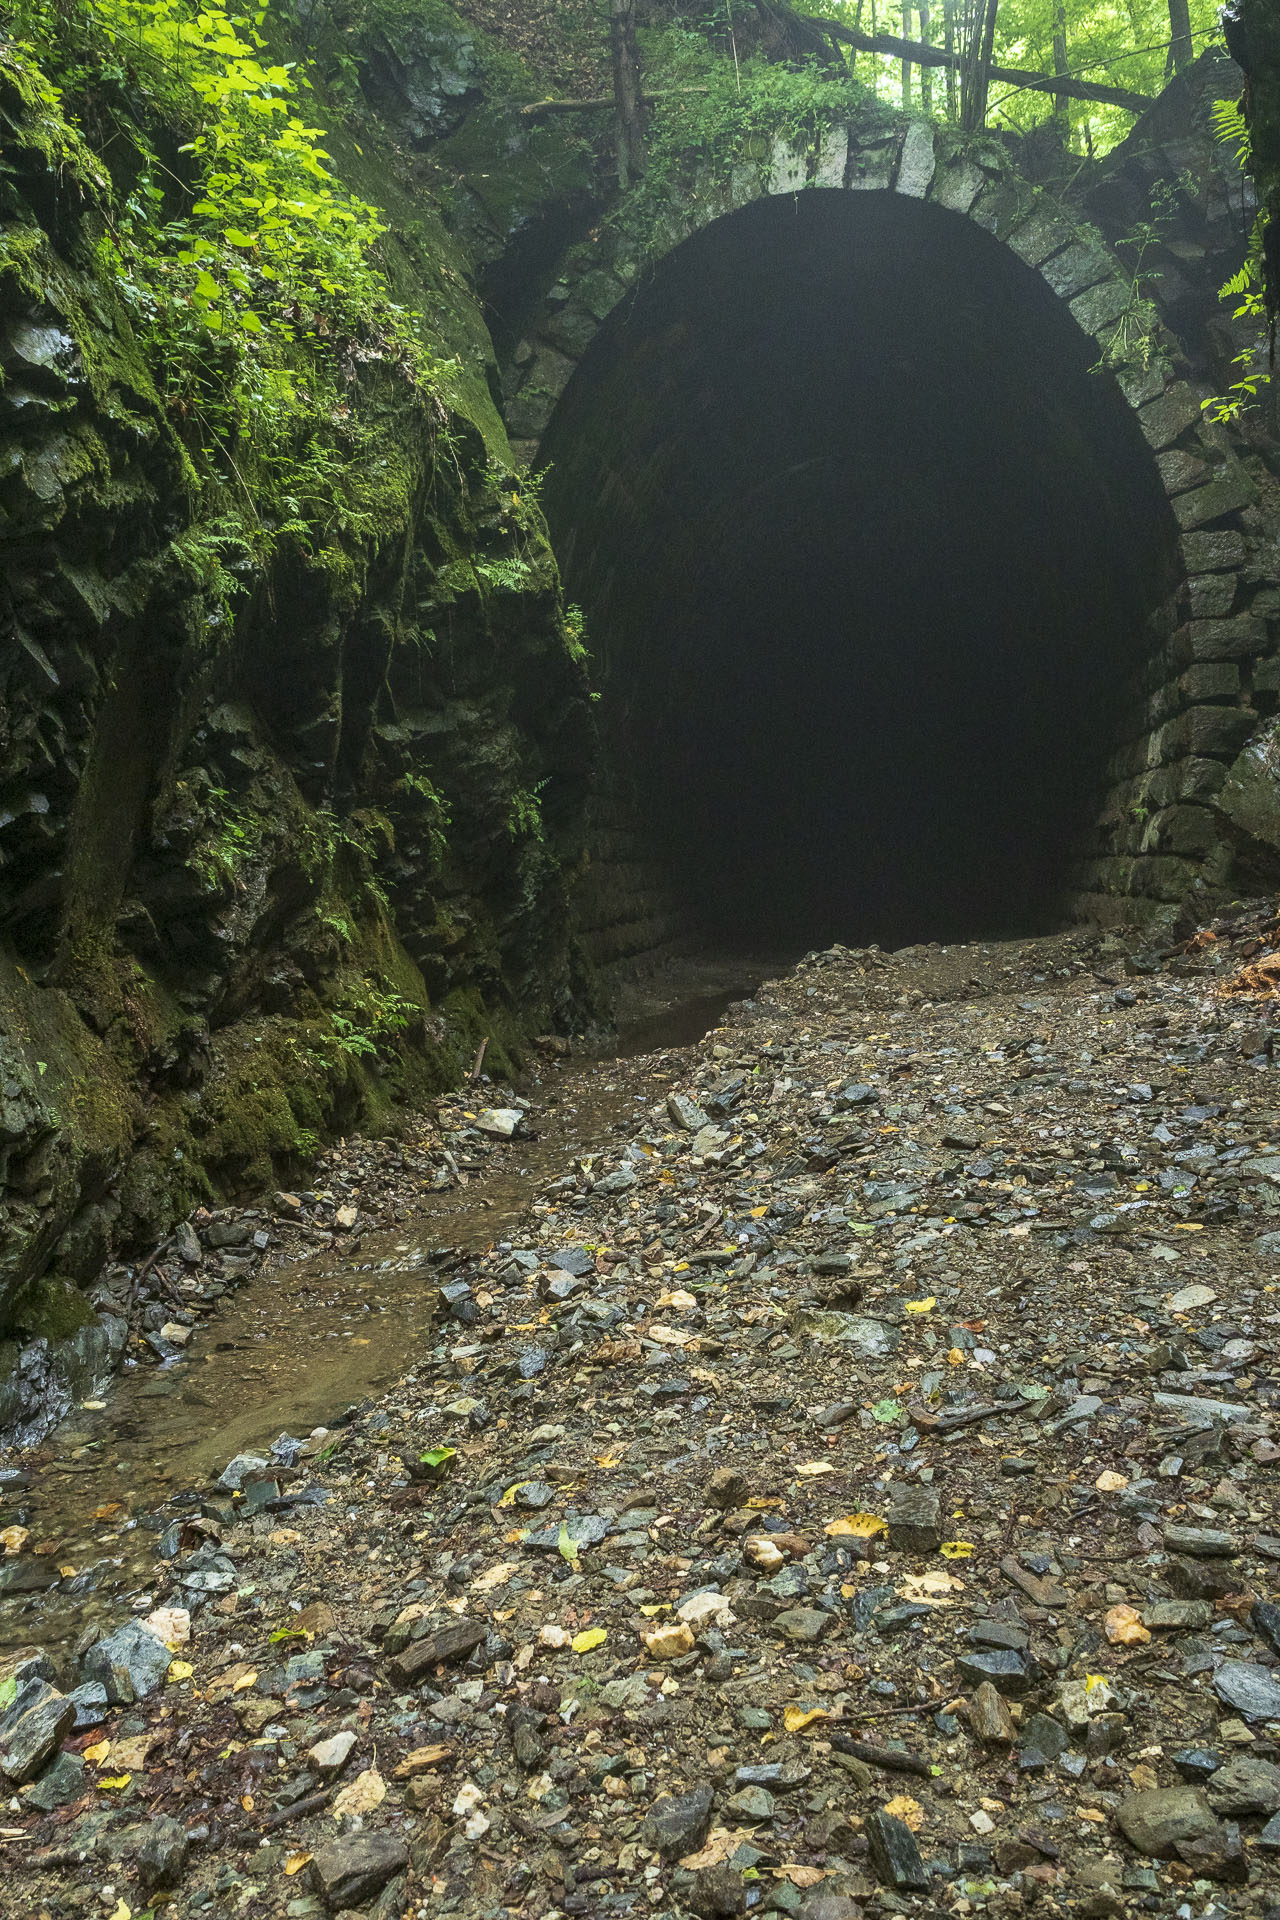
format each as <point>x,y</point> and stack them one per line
<point>866,547</point>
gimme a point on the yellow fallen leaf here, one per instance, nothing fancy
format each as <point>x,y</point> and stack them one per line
<point>1123,1627</point>
<point>592,1637</point>
<point>796,1719</point>
<point>246,1801</point>
<point>607,1460</point>
<point>296,1862</point>
<point>1092,1813</point>
<point>956,1549</point>
<point>66,1573</point>
<point>909,1811</point>
<point>719,1844</point>
<point>955,1358</point>
<point>179,1670</point>
<point>762,1501</point>
<point>245,1681</point>
<point>509,1497</point>
<point>931,1587</point>
<point>1092,1681</point>
<point>1110,1482</point>
<point>856,1526</point>
<point>1187,1226</point>
<point>98,1752</point>
<point>800,1876</point>
<point>93,1406</point>
<point>121,1911</point>
<point>814,1469</point>
<point>495,1577</point>
<point>656,1606</point>
<point>921,1306</point>
<point>14,1539</point>
<point>115,1781</point>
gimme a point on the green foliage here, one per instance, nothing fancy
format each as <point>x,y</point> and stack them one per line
<point>575,635</point>
<point>373,1020</point>
<point>252,277</point>
<point>1248,288</point>
<point>524,820</point>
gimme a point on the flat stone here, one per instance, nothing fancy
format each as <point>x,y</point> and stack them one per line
<point>1156,1820</point>
<point>677,1823</point>
<point>752,1803</point>
<point>1252,1691</point>
<point>1264,1618</point>
<point>1197,1764</point>
<point>895,1855</point>
<point>874,1339</point>
<point>1177,1616</point>
<point>1005,1668</point>
<point>1202,1543</point>
<point>502,1123</point>
<point>1245,1785</point>
<point>232,1477</point>
<point>914,1519</point>
<point>1045,1734</point>
<point>351,1870</point>
<point>804,1623</point>
<point>38,1720</point>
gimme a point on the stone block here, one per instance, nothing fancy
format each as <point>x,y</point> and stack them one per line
<point>1210,680</point>
<point>1141,384</point>
<point>1211,596</point>
<point>1233,639</point>
<point>1078,266</point>
<point>1212,729</point>
<point>788,168</point>
<point>871,169</point>
<point>1214,552</point>
<point>1178,471</point>
<point>1184,830</point>
<point>1214,501</point>
<point>1043,233</point>
<point>958,185</point>
<point>833,158</point>
<point>916,167</point>
<point>1094,309</point>
<point>1164,419</point>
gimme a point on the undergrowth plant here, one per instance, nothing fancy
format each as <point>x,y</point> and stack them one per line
<point>1245,290</point>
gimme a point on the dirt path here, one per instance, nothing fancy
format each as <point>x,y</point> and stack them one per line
<point>852,1490</point>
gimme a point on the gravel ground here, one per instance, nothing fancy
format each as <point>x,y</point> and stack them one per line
<point>853,1490</point>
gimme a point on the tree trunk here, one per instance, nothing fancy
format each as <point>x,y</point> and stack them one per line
<point>949,47</point>
<point>1061,105</point>
<point>975,75</point>
<point>1180,32</point>
<point>926,73</point>
<point>906,63</point>
<point>628,100</point>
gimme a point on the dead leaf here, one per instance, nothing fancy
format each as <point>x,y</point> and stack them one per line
<point>856,1526</point>
<point>796,1719</point>
<point>422,1760</point>
<point>296,1862</point>
<point>719,1844</point>
<point>800,1876</point>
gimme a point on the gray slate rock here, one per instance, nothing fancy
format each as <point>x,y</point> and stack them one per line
<point>231,1479</point>
<point>1202,1543</point>
<point>1253,1691</point>
<point>1245,1785</point>
<point>163,1854</point>
<point>60,1783</point>
<point>38,1720</point>
<point>872,1338</point>
<point>914,1519</point>
<point>895,1855</point>
<point>1005,1668</point>
<point>351,1870</point>
<point>677,1823</point>
<point>130,1663</point>
<point>1156,1820</point>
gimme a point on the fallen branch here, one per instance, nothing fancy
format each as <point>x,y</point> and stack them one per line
<point>886,1758</point>
<point>923,55</point>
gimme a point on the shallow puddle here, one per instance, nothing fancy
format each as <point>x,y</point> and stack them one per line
<point>299,1344</point>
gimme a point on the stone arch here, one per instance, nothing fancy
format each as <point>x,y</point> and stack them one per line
<point>1207,674</point>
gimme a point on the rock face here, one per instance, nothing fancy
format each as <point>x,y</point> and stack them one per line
<point>296,841</point>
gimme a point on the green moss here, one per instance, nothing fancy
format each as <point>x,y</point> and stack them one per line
<point>51,1308</point>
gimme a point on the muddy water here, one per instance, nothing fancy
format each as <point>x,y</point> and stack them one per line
<point>299,1344</point>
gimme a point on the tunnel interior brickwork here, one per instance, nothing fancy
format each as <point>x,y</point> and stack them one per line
<point>1002,444</point>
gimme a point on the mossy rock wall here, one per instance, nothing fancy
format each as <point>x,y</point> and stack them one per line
<point>277,850</point>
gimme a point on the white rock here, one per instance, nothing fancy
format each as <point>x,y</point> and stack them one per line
<point>554,1637</point>
<point>175,1333</point>
<point>704,1607</point>
<point>331,1755</point>
<point>1188,1297</point>
<point>499,1121</point>
<point>468,1799</point>
<point>170,1624</point>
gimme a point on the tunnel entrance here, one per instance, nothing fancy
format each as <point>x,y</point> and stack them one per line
<point>866,550</point>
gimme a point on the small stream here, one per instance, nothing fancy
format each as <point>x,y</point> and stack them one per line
<point>299,1345</point>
